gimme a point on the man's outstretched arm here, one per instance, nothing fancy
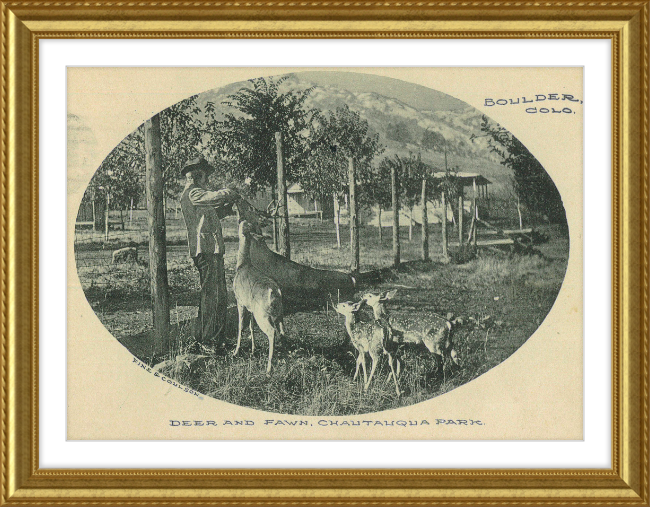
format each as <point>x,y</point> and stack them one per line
<point>215,199</point>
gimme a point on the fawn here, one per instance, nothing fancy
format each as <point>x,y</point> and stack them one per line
<point>367,338</point>
<point>435,332</point>
<point>256,294</point>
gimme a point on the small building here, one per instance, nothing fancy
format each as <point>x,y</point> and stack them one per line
<point>300,204</point>
<point>479,189</point>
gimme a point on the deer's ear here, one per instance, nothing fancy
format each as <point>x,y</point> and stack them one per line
<point>390,294</point>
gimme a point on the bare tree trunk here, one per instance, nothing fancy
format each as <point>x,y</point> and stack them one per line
<point>157,235</point>
<point>444,224</point>
<point>460,221</point>
<point>337,220</point>
<point>380,228</point>
<point>394,180</point>
<point>354,219</point>
<point>283,230</point>
<point>108,203</point>
<point>274,195</point>
<point>425,222</point>
<point>410,224</point>
<point>521,223</point>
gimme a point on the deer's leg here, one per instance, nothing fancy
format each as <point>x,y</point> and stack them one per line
<point>392,372</point>
<point>269,330</point>
<point>362,355</point>
<point>250,323</point>
<point>372,370</point>
<point>440,366</point>
<point>356,371</point>
<point>243,315</point>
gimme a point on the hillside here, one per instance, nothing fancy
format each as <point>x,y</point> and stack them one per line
<point>398,122</point>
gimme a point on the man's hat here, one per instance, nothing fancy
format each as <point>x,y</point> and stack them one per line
<point>196,164</point>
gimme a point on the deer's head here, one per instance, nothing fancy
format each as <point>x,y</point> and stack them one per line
<point>256,219</point>
<point>375,301</point>
<point>348,309</point>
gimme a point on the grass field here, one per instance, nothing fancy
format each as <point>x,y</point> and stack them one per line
<point>501,299</point>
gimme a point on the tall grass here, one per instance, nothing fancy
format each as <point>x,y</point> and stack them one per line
<point>501,300</point>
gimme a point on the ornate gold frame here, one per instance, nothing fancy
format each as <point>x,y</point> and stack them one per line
<point>24,23</point>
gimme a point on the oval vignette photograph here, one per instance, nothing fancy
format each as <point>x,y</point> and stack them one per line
<point>319,243</point>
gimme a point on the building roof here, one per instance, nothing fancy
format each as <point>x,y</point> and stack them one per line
<point>295,189</point>
<point>467,179</point>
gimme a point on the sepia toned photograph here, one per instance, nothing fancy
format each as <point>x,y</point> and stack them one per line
<point>324,248</point>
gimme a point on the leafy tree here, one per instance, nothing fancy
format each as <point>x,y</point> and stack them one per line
<point>122,172</point>
<point>433,141</point>
<point>399,132</point>
<point>120,177</point>
<point>181,135</point>
<point>334,137</point>
<point>532,183</point>
<point>413,170</point>
<point>377,189</point>
<point>394,165</point>
<point>453,189</point>
<point>245,137</point>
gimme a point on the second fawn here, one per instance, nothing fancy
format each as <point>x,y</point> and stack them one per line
<point>433,331</point>
<point>367,338</point>
<point>256,294</point>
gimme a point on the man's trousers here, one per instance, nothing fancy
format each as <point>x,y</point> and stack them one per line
<point>211,322</point>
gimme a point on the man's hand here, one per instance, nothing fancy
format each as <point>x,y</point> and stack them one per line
<point>231,195</point>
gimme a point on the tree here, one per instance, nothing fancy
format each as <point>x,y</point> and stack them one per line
<point>413,171</point>
<point>181,139</point>
<point>394,166</point>
<point>334,138</point>
<point>533,185</point>
<point>119,180</point>
<point>121,173</point>
<point>433,141</point>
<point>378,191</point>
<point>399,132</point>
<point>245,137</point>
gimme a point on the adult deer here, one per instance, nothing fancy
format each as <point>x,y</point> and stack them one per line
<point>257,295</point>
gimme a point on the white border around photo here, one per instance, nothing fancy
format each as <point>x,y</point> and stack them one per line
<point>594,451</point>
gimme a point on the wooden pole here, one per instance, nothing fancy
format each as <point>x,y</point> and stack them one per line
<point>394,182</point>
<point>472,230</point>
<point>460,218</point>
<point>444,223</point>
<point>108,202</point>
<point>94,217</point>
<point>475,225</point>
<point>284,248</point>
<point>380,229</point>
<point>337,220</point>
<point>274,195</point>
<point>157,236</point>
<point>354,218</point>
<point>425,222</point>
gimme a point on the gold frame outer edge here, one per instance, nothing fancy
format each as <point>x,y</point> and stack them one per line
<point>24,23</point>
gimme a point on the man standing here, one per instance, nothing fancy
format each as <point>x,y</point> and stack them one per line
<point>202,212</point>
